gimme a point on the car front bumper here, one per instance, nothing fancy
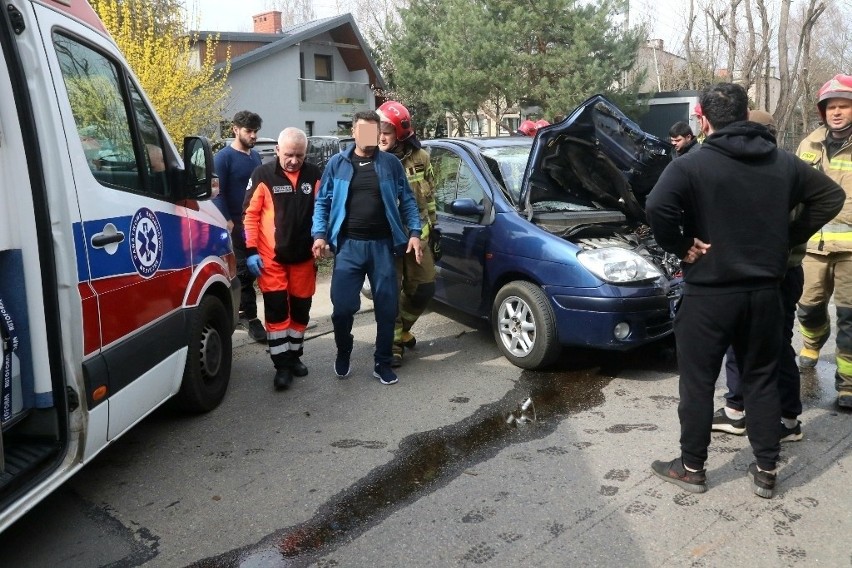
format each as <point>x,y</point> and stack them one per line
<point>592,321</point>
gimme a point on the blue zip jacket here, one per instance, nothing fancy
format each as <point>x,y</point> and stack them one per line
<point>330,206</point>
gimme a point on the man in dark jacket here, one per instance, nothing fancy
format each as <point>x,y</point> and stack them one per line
<point>725,211</point>
<point>234,164</point>
<point>682,139</point>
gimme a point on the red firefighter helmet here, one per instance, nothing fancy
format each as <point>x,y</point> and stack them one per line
<point>396,114</point>
<point>838,87</point>
<point>527,128</point>
<point>541,123</point>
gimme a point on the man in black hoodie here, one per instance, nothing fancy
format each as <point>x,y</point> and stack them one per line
<point>725,211</point>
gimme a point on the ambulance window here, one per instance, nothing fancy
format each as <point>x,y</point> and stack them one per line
<point>110,143</point>
<point>155,162</point>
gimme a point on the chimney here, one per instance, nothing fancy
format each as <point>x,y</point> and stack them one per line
<point>655,44</point>
<point>267,23</point>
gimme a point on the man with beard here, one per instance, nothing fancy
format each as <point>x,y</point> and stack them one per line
<point>233,165</point>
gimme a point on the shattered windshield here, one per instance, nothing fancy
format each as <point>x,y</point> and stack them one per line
<point>508,163</point>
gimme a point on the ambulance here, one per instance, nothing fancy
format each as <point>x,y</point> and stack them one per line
<point>118,287</point>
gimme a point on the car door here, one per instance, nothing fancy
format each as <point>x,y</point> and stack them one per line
<point>133,245</point>
<point>463,234</point>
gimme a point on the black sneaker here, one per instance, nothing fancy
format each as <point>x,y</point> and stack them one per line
<point>675,472</point>
<point>791,434</point>
<point>283,379</point>
<point>763,482</point>
<point>844,400</point>
<point>396,360</point>
<point>385,374</point>
<point>341,364</point>
<point>721,423</point>
<point>299,369</point>
<point>256,330</point>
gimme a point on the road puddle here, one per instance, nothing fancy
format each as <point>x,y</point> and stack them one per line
<point>424,463</point>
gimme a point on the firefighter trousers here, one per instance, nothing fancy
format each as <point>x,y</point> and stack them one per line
<point>827,274</point>
<point>416,287</point>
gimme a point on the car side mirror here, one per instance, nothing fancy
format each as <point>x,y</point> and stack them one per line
<point>198,168</point>
<point>467,207</point>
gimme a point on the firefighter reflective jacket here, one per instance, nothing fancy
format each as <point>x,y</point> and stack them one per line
<point>418,170</point>
<point>835,236</point>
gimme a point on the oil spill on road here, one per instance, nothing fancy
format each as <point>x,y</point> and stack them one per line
<point>424,463</point>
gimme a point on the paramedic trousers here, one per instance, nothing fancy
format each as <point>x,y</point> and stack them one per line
<point>789,380</point>
<point>416,288</point>
<point>354,260</point>
<point>827,274</point>
<point>705,325</point>
<point>288,290</point>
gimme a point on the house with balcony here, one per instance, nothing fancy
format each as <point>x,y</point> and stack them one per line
<point>314,75</point>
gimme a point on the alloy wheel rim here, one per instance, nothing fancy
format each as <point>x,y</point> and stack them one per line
<point>517,326</point>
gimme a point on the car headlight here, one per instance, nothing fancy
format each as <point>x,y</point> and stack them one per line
<point>617,265</point>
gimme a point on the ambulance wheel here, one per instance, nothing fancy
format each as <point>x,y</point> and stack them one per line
<point>524,325</point>
<point>208,358</point>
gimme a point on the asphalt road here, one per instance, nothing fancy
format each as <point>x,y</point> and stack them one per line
<point>429,472</point>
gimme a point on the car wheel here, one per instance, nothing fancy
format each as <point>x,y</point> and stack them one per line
<point>524,325</point>
<point>208,358</point>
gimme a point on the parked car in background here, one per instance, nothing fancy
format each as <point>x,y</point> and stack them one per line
<point>322,148</point>
<point>547,238</point>
<point>264,146</point>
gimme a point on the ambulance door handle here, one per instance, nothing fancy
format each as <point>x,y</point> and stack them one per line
<point>108,239</point>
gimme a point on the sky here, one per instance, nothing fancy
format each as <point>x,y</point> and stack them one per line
<point>236,15</point>
<point>664,16</point>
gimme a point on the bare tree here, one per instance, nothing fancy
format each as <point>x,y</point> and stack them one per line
<point>757,47</point>
<point>725,21</point>
<point>794,79</point>
<point>690,76</point>
<point>292,11</point>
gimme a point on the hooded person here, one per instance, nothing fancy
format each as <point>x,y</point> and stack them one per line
<point>731,418</point>
<point>725,211</point>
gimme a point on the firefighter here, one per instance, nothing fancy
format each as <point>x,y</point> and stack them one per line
<point>279,208</point>
<point>527,128</point>
<point>828,262</point>
<point>416,280</point>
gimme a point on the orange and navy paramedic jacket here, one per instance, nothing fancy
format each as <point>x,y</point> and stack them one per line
<point>277,212</point>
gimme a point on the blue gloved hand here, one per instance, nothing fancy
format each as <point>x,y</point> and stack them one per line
<point>254,264</point>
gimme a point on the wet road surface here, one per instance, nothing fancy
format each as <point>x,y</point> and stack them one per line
<point>445,469</point>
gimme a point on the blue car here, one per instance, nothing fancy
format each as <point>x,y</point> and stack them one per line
<point>547,238</point>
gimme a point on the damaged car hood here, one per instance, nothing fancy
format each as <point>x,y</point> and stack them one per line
<point>596,158</point>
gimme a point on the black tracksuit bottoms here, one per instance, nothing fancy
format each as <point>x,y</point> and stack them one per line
<point>705,325</point>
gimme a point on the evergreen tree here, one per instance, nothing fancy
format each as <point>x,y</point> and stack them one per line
<point>460,56</point>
